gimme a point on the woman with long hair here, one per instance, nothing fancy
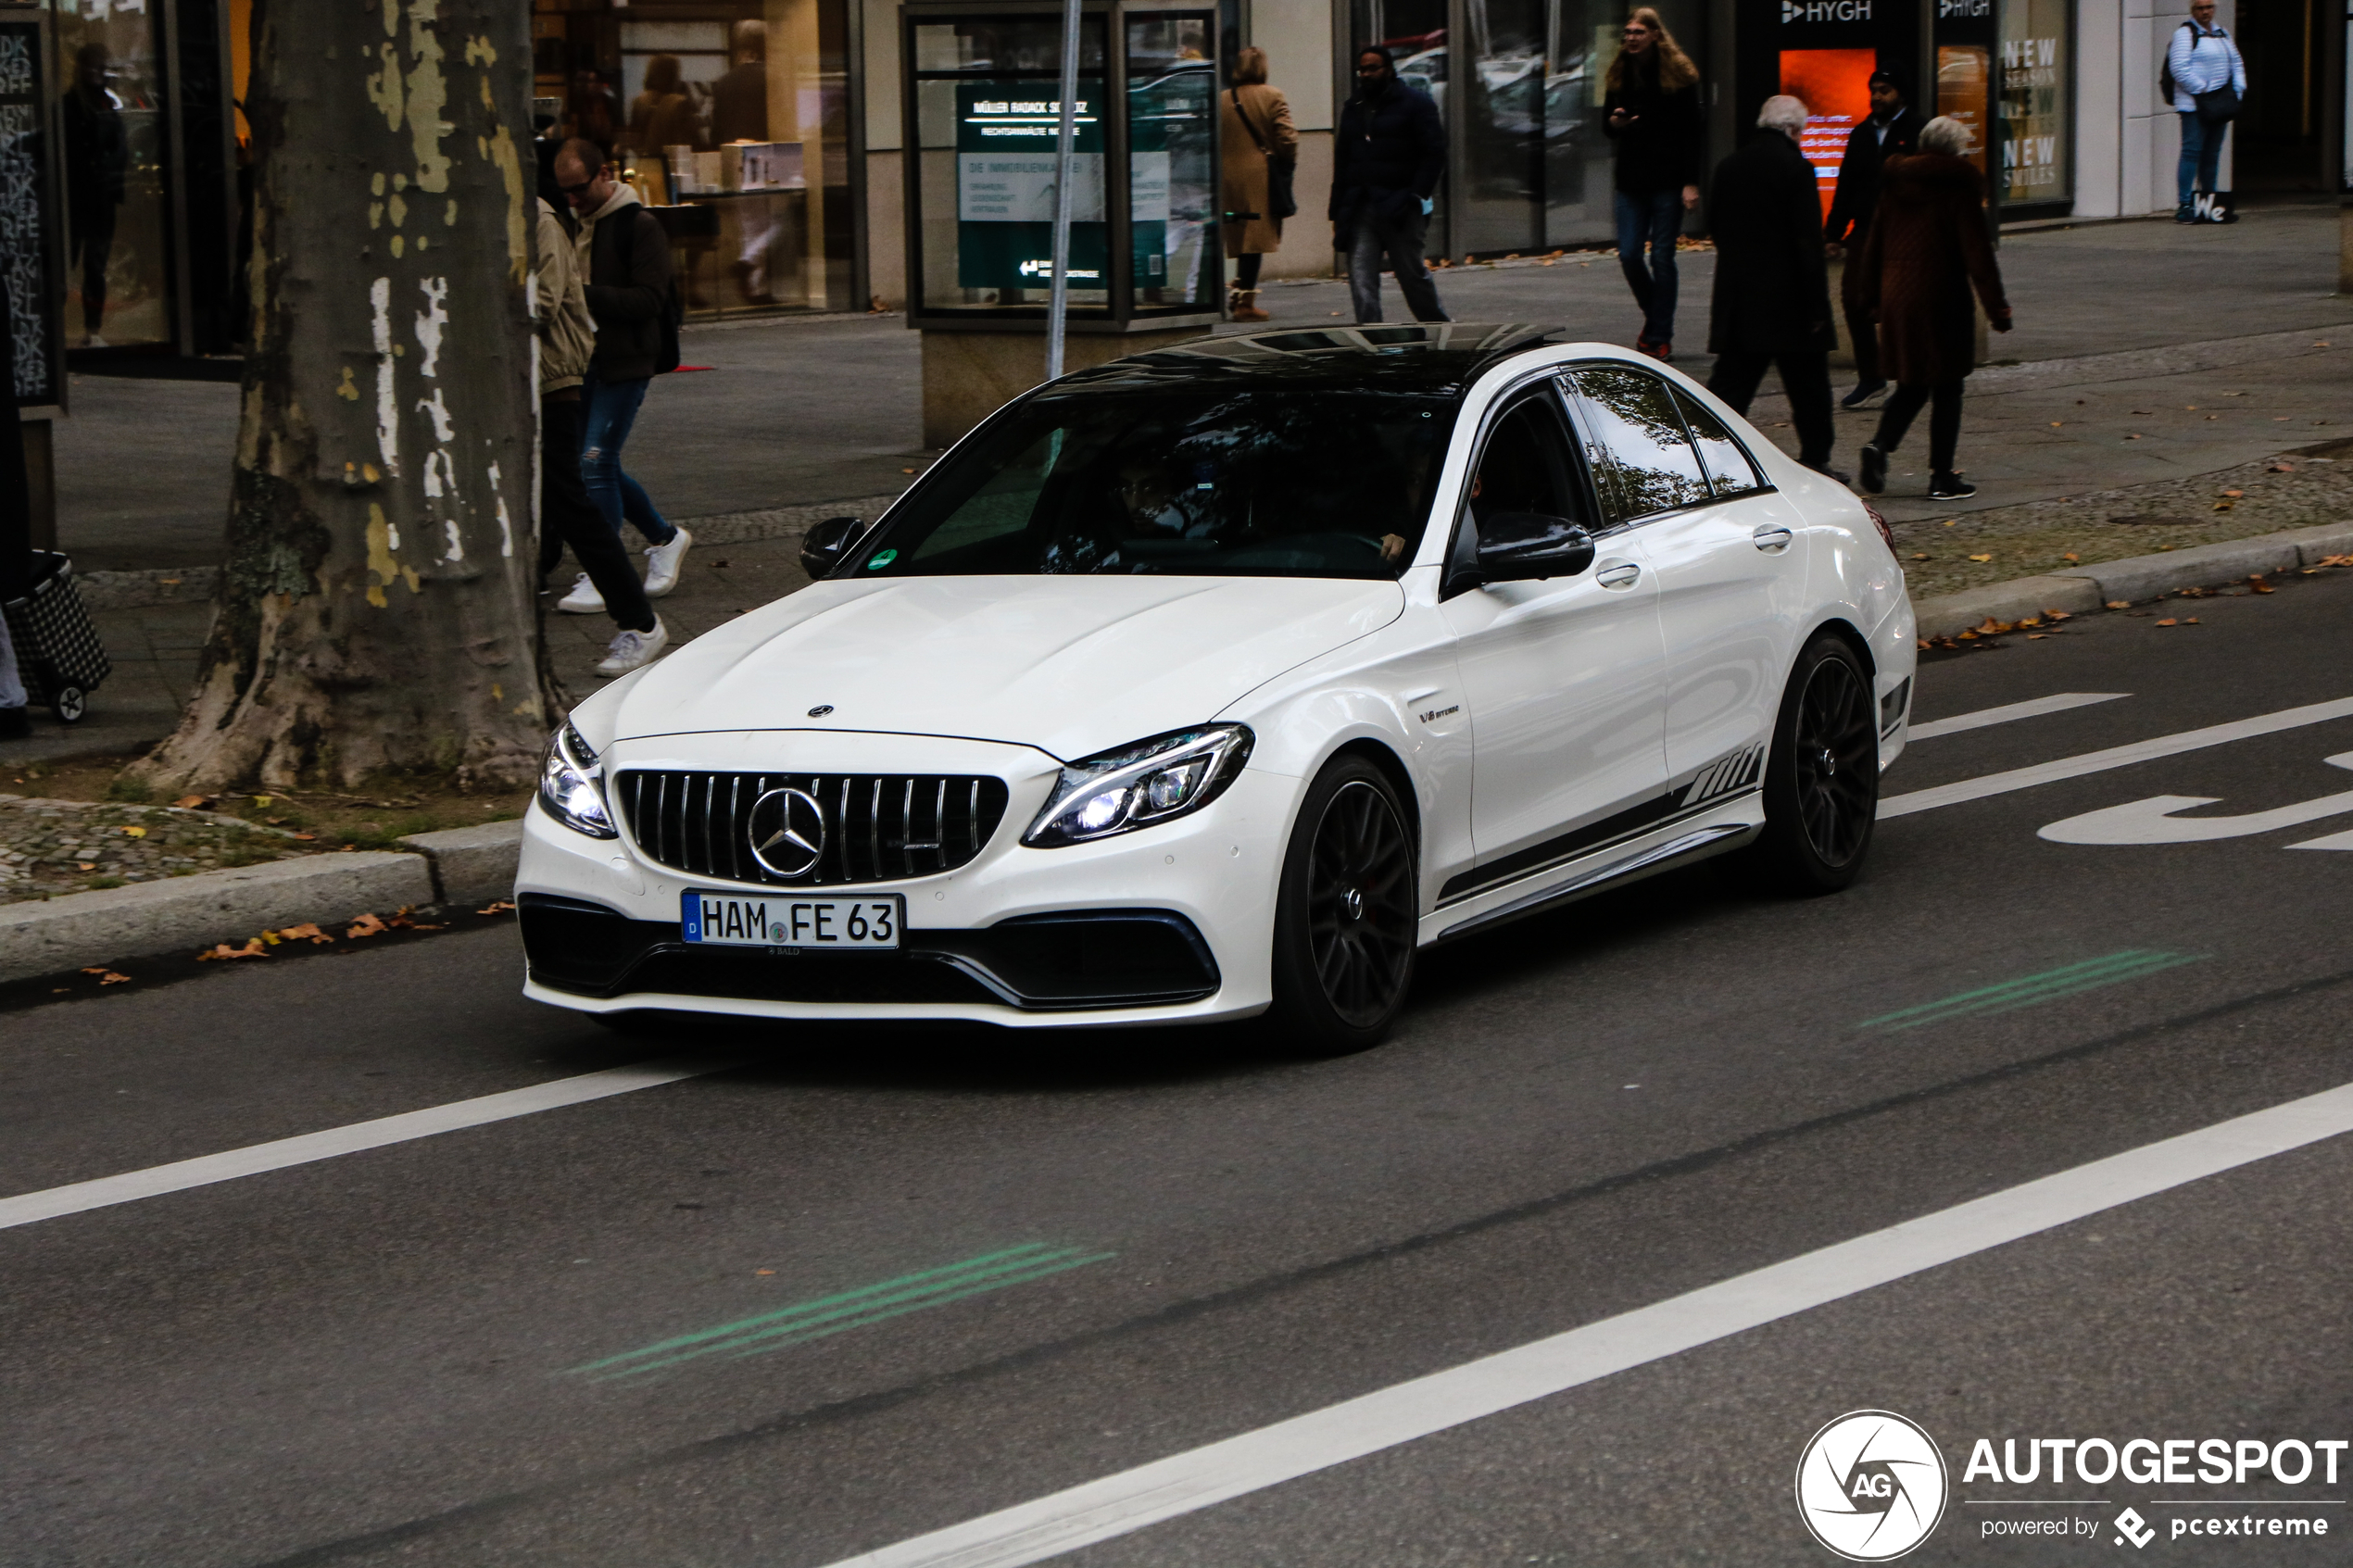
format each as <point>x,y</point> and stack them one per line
<point>1652,112</point>
<point>1255,143</point>
<point>662,115</point>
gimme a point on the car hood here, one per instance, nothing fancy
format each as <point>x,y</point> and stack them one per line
<point>1071,665</point>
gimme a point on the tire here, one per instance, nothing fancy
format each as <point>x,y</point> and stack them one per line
<point>1347,915</point>
<point>69,705</point>
<point>1822,777</point>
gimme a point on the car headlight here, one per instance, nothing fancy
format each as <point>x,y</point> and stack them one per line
<point>1138,786</point>
<point>571,785</point>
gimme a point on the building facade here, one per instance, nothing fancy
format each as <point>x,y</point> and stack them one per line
<point>774,135</point>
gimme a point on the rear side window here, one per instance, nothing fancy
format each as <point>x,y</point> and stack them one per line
<point>1729,467</point>
<point>1634,419</point>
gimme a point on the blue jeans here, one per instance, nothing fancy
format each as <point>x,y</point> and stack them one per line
<point>2201,155</point>
<point>611,409</point>
<point>1655,217</point>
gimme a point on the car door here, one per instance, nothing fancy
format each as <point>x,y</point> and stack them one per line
<point>1563,677</point>
<point>1729,559</point>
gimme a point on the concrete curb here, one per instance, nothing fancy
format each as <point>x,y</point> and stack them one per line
<point>188,913</point>
<point>2135,578</point>
<point>460,866</point>
<point>471,865</point>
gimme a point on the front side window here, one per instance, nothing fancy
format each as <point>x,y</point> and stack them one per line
<point>1654,465</point>
<point>1211,482</point>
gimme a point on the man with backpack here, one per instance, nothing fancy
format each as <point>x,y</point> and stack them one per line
<point>633,297</point>
<point>2203,78</point>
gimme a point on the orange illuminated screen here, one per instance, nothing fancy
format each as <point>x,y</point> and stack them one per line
<point>1835,87</point>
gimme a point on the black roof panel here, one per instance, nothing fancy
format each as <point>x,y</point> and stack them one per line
<point>1437,358</point>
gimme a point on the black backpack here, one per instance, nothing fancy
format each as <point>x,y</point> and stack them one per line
<point>2165,71</point>
<point>674,314</point>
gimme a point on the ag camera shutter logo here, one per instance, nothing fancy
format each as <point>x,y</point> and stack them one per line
<point>1871,1485</point>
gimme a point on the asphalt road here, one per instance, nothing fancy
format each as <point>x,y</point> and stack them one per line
<point>1021,1264</point>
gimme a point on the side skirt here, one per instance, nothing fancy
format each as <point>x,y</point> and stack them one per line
<point>1684,849</point>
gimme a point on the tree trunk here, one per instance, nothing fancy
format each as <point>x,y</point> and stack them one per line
<point>377,611</point>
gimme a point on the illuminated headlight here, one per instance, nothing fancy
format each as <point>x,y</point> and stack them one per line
<point>1138,786</point>
<point>571,785</point>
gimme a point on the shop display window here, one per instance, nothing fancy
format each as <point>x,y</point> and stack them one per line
<point>111,121</point>
<point>731,121</point>
<point>2037,107</point>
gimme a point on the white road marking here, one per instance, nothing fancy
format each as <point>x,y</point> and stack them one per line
<point>2114,757</point>
<point>2152,821</point>
<point>204,1170</point>
<point>1181,1484</point>
<point>2333,841</point>
<point>2059,703</point>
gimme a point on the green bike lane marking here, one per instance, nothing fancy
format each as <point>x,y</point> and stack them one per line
<point>838,1313</point>
<point>2028,990</point>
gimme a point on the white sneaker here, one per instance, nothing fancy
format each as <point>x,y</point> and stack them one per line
<point>583,599</point>
<point>663,563</point>
<point>630,649</point>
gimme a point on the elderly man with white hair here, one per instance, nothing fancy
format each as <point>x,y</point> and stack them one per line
<point>1772,302</point>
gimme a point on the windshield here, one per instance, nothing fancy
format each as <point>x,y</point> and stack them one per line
<point>1201,483</point>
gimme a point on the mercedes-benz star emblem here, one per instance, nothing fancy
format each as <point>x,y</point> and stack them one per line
<point>821,710</point>
<point>787,829</point>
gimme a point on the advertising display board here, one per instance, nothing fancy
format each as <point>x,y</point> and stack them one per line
<point>1005,190</point>
<point>29,212</point>
<point>1964,35</point>
<point>1835,85</point>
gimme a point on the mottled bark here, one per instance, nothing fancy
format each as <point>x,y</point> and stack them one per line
<point>377,609</point>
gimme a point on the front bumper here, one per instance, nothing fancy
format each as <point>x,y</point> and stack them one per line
<point>1172,924</point>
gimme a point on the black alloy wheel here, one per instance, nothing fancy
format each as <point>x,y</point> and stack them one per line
<point>1347,915</point>
<point>1821,778</point>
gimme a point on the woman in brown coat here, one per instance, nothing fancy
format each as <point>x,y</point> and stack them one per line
<point>662,115</point>
<point>1928,248</point>
<point>1254,130</point>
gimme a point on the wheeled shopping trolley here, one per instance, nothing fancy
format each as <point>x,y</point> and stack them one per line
<point>58,653</point>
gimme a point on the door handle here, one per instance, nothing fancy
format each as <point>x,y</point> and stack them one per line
<point>1772,538</point>
<point>1618,574</point>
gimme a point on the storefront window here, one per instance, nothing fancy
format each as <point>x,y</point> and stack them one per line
<point>731,121</point>
<point>2037,110</point>
<point>1414,31</point>
<point>112,116</point>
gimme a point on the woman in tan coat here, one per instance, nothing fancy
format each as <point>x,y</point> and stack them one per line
<point>1927,249</point>
<point>662,115</point>
<point>1254,130</point>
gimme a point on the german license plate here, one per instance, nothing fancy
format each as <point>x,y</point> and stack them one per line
<point>731,919</point>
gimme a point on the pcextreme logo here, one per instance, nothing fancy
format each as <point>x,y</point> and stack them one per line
<point>1871,1485</point>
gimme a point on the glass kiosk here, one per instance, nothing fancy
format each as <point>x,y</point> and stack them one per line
<point>983,109</point>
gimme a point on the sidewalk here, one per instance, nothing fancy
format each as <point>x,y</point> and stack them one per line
<point>2148,353</point>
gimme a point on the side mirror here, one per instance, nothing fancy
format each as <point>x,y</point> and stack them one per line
<point>1521,547</point>
<point>821,547</point>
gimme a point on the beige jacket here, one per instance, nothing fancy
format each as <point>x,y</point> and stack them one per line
<point>566,334</point>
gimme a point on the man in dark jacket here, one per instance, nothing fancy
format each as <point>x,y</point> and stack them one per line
<point>1892,131</point>
<point>625,264</point>
<point>1386,162</point>
<point>1772,304</point>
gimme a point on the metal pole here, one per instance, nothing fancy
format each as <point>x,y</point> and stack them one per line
<point>1064,139</point>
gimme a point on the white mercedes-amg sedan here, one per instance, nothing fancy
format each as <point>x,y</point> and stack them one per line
<point>1223,677</point>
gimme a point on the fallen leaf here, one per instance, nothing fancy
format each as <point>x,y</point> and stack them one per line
<point>2191,622</point>
<point>85,865</point>
<point>2036,636</point>
<point>2282,468</point>
<point>1923,557</point>
<point>2145,410</point>
<point>261,801</point>
<point>2265,588</point>
<point>135,833</point>
<point>108,977</point>
<point>2057,615</point>
<point>2119,604</point>
<point>2026,621</point>
<point>2223,505</point>
<point>307,837</point>
<point>191,802</point>
<point>1951,521</point>
<point>1968,636</point>
<point>2131,438</point>
<point>252,949</point>
<point>500,908</point>
<point>2055,424</point>
<point>1980,557</point>
<point>307,932</point>
<point>1924,642</point>
<point>274,822</point>
<point>2234,495</point>
<point>2072,556</point>
<point>2169,620</point>
<point>366,926</point>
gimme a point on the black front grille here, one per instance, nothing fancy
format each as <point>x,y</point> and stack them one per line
<point>879,827</point>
